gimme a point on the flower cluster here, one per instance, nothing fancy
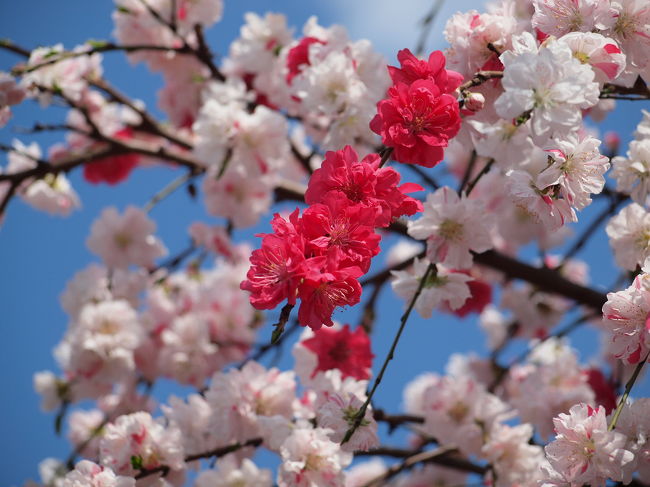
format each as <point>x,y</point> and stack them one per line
<point>318,257</point>
<point>421,112</point>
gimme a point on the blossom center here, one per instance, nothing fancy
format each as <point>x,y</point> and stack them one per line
<point>458,411</point>
<point>451,230</point>
<point>122,240</point>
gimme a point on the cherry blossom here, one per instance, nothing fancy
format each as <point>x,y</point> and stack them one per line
<point>584,451</point>
<point>452,226</point>
<point>121,240</point>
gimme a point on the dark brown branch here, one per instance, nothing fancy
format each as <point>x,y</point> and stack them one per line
<point>204,54</point>
<point>15,48</point>
<point>303,160</point>
<point>96,49</point>
<point>483,172</point>
<point>148,122</point>
<point>445,456</point>
<point>425,177</point>
<point>395,420</point>
<point>479,78</point>
<point>217,452</point>
<point>639,89</point>
<point>545,279</point>
<point>616,200</point>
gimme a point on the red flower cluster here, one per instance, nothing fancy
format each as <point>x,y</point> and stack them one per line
<point>421,113</point>
<point>319,257</point>
<point>113,169</point>
<point>298,57</point>
<point>342,349</point>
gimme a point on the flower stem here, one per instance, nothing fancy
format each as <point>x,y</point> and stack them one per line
<point>362,411</point>
<point>626,394</point>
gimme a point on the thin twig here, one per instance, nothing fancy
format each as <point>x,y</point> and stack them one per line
<point>358,418</point>
<point>593,226</point>
<point>425,177</point>
<point>167,190</point>
<point>468,171</point>
<point>626,394</point>
<point>427,24</point>
<point>217,452</point>
<point>484,171</point>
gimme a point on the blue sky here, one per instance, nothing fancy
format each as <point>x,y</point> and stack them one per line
<point>39,253</point>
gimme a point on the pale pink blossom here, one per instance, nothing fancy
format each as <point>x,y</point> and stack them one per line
<point>577,167</point>
<point>600,52</point>
<point>629,236</point>
<point>213,238</point>
<point>584,451</point>
<point>548,384</point>
<point>138,436</point>
<point>458,411</point>
<point>634,422</point>
<point>452,227</point>
<point>237,196</point>
<point>89,474</point>
<point>514,460</point>
<point>91,285</point>
<point>239,397</point>
<point>469,34</point>
<point>558,17</point>
<point>10,94</point>
<point>231,473</point>
<point>260,41</point>
<point>52,192</point>
<point>362,473</point>
<point>67,74</point>
<point>625,318</point>
<point>632,31</point>
<point>85,431</point>
<point>337,413</point>
<point>310,458</point>
<point>50,388</point>
<point>551,85</point>
<point>441,287</point>
<point>127,239</point>
<point>538,204</point>
<point>632,173</point>
<point>102,341</point>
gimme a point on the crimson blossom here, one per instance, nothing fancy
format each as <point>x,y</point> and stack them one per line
<point>348,351</point>
<point>421,113</point>
<point>319,257</point>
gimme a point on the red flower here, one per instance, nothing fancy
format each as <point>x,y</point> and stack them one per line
<point>341,349</point>
<point>324,288</point>
<point>412,69</point>
<point>337,223</point>
<point>277,266</point>
<point>481,296</point>
<point>298,57</point>
<point>114,169</point>
<point>417,121</point>
<point>364,183</point>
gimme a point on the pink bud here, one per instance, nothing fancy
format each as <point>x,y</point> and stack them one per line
<point>474,102</point>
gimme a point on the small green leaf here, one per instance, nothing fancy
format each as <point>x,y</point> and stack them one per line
<point>277,333</point>
<point>51,53</point>
<point>96,44</point>
<point>136,462</point>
